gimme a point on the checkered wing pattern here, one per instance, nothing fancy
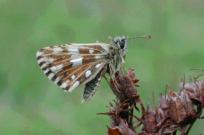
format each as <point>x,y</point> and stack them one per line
<point>70,65</point>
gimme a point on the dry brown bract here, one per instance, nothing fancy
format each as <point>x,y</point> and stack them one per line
<point>177,111</point>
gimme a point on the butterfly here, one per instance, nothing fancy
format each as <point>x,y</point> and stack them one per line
<point>73,64</point>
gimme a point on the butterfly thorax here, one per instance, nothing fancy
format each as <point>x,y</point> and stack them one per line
<point>117,54</point>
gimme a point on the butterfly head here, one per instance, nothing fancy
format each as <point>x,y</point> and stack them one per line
<point>120,42</point>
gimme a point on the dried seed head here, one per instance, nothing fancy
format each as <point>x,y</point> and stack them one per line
<point>176,111</point>
<point>121,129</point>
<point>180,107</point>
<point>124,87</point>
<point>149,121</point>
<point>195,91</point>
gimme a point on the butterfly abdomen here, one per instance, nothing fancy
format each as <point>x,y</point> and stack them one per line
<point>90,87</point>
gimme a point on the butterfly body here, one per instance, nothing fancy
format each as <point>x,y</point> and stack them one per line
<point>73,64</point>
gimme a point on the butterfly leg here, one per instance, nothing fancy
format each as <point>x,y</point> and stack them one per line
<point>112,70</point>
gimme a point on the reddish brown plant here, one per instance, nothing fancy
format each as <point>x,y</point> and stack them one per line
<point>177,111</point>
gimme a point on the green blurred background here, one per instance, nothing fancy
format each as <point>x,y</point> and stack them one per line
<point>31,104</point>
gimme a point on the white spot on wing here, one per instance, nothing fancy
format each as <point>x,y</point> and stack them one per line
<point>51,75</point>
<point>63,85</point>
<point>73,49</point>
<point>73,77</point>
<point>98,56</point>
<point>57,49</point>
<point>57,80</point>
<point>76,84</point>
<point>50,60</point>
<point>41,60</point>
<point>88,73</point>
<point>56,68</point>
<point>91,51</point>
<point>39,54</point>
<point>46,71</point>
<point>43,66</point>
<point>98,65</point>
<point>76,62</point>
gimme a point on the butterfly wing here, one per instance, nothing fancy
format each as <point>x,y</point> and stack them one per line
<point>72,64</point>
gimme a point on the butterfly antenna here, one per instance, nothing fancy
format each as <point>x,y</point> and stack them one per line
<point>144,37</point>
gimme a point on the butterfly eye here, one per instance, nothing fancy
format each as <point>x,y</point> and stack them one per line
<point>122,43</point>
